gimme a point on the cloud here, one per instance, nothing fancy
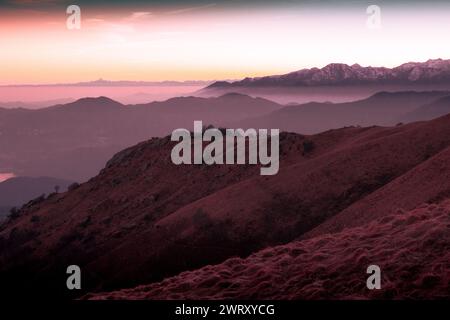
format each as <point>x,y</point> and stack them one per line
<point>21,3</point>
<point>190,9</point>
<point>95,20</point>
<point>139,15</point>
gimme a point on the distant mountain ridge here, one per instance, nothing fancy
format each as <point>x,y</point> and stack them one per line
<point>429,72</point>
<point>74,140</point>
<point>433,110</point>
<point>119,83</point>
<point>383,108</point>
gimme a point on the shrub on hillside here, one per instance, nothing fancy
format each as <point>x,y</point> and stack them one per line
<point>73,186</point>
<point>13,213</point>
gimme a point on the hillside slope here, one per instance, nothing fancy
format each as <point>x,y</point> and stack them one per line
<point>411,248</point>
<point>138,187</point>
<point>429,182</point>
<point>143,219</point>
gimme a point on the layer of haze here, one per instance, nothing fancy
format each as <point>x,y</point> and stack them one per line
<point>35,97</point>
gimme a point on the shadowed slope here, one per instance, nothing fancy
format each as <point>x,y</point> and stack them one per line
<point>429,182</point>
<point>411,248</point>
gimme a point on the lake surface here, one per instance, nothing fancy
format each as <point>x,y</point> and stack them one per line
<point>6,176</point>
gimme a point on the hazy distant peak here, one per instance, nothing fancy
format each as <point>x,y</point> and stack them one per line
<point>101,99</point>
<point>220,84</point>
<point>442,100</point>
<point>235,95</point>
<point>93,102</point>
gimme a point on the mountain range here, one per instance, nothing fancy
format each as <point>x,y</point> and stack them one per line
<point>429,72</point>
<point>342,199</point>
<point>338,82</point>
<point>73,141</point>
<point>364,179</point>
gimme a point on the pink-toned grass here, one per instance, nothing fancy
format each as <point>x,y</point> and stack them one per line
<point>412,249</point>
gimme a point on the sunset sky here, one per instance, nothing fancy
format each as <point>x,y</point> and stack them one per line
<point>208,40</point>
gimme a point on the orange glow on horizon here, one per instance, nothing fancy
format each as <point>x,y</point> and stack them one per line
<point>207,45</point>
